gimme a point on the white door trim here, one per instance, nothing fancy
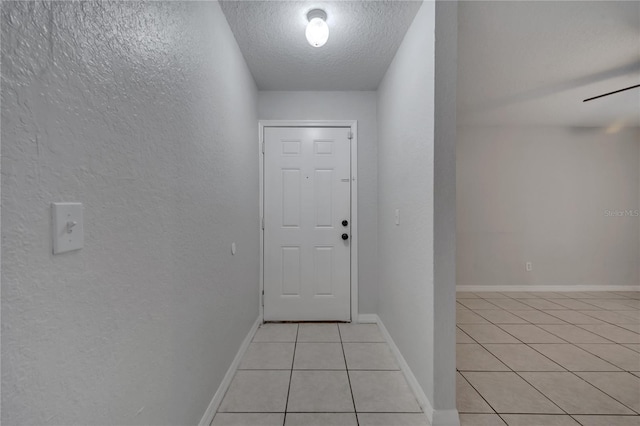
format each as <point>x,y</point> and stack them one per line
<point>351,125</point>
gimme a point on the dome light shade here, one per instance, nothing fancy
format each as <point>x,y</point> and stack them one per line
<point>317,31</point>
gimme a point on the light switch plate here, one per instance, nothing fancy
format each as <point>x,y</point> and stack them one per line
<point>68,232</point>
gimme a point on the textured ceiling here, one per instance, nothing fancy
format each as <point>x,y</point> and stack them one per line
<point>363,39</point>
<point>534,63</point>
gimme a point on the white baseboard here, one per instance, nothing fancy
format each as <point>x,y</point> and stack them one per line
<point>368,319</point>
<point>224,385</point>
<point>535,288</point>
<point>434,417</point>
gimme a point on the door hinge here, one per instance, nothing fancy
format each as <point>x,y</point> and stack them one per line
<point>350,135</point>
<point>263,147</point>
<point>262,299</point>
<point>262,222</point>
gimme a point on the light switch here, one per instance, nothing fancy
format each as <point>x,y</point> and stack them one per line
<point>397,216</point>
<point>68,232</point>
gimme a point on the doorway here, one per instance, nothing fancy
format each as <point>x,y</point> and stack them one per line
<point>308,205</point>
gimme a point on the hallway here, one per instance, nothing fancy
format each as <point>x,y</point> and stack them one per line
<point>319,374</point>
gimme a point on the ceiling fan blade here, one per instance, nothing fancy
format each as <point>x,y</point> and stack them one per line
<point>611,93</point>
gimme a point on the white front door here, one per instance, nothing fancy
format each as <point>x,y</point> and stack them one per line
<point>307,194</point>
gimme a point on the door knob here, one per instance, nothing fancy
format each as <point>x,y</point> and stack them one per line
<point>345,236</point>
<point>345,222</point>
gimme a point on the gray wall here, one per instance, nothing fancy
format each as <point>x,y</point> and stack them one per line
<point>146,113</point>
<point>361,106</point>
<point>540,194</point>
<point>406,182</point>
<point>444,214</point>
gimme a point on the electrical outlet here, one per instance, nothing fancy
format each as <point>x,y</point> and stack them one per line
<point>528,266</point>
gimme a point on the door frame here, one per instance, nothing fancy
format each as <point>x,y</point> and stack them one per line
<point>348,125</point>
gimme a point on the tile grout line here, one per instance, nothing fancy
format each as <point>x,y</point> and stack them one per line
<point>536,325</point>
<point>516,373</point>
<point>571,309</point>
<point>528,345</point>
<point>293,359</point>
<point>353,400</point>
<point>521,342</point>
<point>610,396</point>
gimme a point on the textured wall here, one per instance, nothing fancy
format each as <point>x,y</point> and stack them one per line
<point>146,113</point>
<point>444,216</point>
<point>405,182</point>
<point>359,106</point>
<point>539,194</point>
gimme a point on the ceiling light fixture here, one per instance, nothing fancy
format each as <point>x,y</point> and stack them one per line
<point>317,29</point>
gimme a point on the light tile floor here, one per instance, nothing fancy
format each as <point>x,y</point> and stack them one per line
<point>548,359</point>
<point>319,375</point>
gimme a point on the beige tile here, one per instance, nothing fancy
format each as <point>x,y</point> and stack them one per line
<point>499,316</point>
<point>257,391</point>
<point>473,357</point>
<point>584,295</point>
<point>574,304</point>
<point>521,357</point>
<point>573,334</point>
<point>551,295</point>
<point>487,333</point>
<point>321,419</point>
<point>395,419</point>
<point>573,358</point>
<point>522,294</point>
<point>575,317</point>
<point>611,305</point>
<point>631,314</point>
<point>276,333</point>
<point>319,356</point>
<point>477,304</point>
<point>529,333</point>
<point>319,391</point>
<point>462,337</point>
<point>608,420</point>
<point>382,391</point>
<point>616,354</point>
<point>622,386</point>
<point>318,333</point>
<point>633,346</point>
<point>610,316</point>
<point>481,420</point>
<point>268,356</point>
<point>574,395</point>
<point>508,393</point>
<point>538,317</point>
<point>605,294</point>
<point>369,356</point>
<point>539,420</point>
<point>613,332</point>
<point>631,302</point>
<point>542,304</point>
<point>248,419</point>
<point>635,327</point>
<point>492,295</point>
<point>510,304</point>
<point>469,317</point>
<point>467,399</point>
<point>466,295</point>
<point>360,333</point>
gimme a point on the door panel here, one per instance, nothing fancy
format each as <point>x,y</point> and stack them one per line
<point>307,195</point>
